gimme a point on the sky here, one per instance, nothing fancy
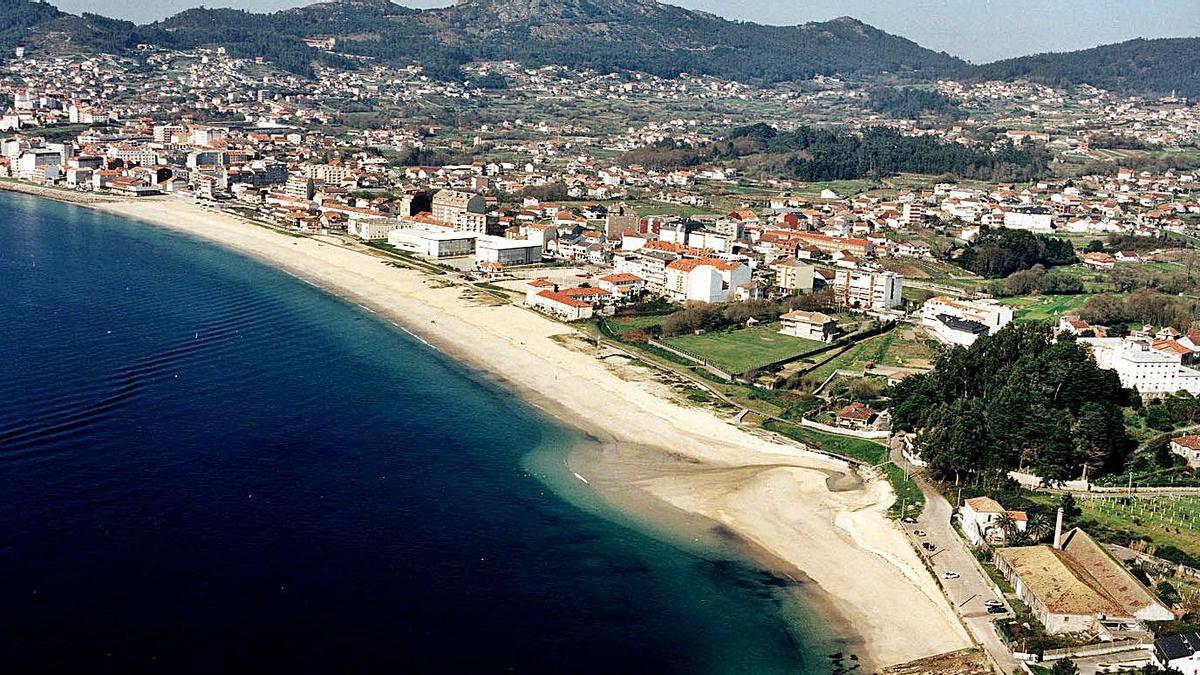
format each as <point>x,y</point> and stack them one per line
<point>976,30</point>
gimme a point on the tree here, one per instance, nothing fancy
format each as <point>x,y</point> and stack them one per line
<point>1065,667</point>
<point>1167,593</point>
<point>1039,526</point>
<point>1015,399</point>
<point>1071,510</point>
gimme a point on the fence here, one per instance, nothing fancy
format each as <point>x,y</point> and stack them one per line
<point>1093,650</point>
<point>691,357</point>
<point>844,432</point>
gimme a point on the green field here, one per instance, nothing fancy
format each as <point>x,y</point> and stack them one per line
<point>1165,521</point>
<point>899,348</point>
<point>625,324</point>
<point>1045,307</point>
<point>742,350</point>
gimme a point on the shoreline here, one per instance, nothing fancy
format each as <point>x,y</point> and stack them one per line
<point>652,456</point>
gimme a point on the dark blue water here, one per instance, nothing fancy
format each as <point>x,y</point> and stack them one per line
<point>208,465</point>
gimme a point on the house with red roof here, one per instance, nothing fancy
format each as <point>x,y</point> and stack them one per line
<point>982,520</point>
<point>561,305</point>
<point>1187,447</point>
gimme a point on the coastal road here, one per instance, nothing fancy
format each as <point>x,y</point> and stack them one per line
<point>973,587</point>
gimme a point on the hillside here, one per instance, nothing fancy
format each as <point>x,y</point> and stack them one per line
<point>603,34</point>
<point>606,35</point>
<point>1136,66</point>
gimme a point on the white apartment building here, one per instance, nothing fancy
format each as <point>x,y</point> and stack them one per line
<point>1141,367</point>
<point>704,279</point>
<point>951,320</point>
<point>370,228</point>
<point>864,290</point>
<point>462,210</point>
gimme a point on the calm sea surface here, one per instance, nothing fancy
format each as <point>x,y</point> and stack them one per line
<point>209,465</point>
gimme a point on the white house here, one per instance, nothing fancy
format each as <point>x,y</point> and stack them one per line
<point>623,287</point>
<point>704,279</point>
<point>1187,447</point>
<point>561,305</point>
<point>980,519</point>
<point>808,325</point>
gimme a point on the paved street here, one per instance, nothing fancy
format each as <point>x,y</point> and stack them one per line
<point>973,588</point>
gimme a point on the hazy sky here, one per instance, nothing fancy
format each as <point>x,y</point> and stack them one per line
<point>978,30</point>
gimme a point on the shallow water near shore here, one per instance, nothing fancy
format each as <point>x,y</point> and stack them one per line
<point>208,463</point>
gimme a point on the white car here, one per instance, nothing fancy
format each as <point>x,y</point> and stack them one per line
<point>949,575</point>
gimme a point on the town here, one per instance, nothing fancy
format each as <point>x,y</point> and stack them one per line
<point>876,318</point>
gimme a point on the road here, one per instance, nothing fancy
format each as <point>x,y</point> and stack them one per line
<point>973,587</point>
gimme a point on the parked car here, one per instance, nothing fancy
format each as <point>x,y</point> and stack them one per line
<point>993,603</point>
<point>909,520</point>
<point>928,546</point>
<point>950,575</point>
<point>996,609</point>
<point>919,533</point>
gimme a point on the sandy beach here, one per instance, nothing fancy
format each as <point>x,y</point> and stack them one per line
<point>774,496</point>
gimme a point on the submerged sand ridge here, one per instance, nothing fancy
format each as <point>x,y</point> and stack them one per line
<point>772,495</point>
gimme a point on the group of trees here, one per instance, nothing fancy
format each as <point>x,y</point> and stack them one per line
<point>998,252</point>
<point>1144,305</point>
<point>1017,398</point>
<point>717,316</point>
<point>827,154</point>
<point>815,154</point>
<point>911,103</point>
<point>1037,280</point>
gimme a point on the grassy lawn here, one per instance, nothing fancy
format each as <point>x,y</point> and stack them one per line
<point>626,324</point>
<point>1045,307</point>
<point>742,350</point>
<point>909,498</point>
<point>865,451</point>
<point>1165,521</point>
<point>899,348</point>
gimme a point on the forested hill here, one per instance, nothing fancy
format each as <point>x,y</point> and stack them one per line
<point>641,35</point>
<point>606,35</point>
<point>1137,66</point>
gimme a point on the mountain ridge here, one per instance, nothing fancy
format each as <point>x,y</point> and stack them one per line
<point>605,35</point>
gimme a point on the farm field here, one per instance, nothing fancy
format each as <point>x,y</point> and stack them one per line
<point>742,350</point>
<point>1045,307</point>
<point>1165,521</point>
<point>903,347</point>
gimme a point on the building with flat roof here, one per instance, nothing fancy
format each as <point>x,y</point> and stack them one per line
<point>507,251</point>
<point>867,291</point>
<point>1140,366</point>
<point>961,322</point>
<point>432,243</point>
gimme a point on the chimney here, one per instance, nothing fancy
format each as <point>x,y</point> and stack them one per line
<point>1058,529</point>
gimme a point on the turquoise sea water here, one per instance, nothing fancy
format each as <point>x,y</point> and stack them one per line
<point>207,465</point>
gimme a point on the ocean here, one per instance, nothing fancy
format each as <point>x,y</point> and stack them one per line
<point>208,465</point>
